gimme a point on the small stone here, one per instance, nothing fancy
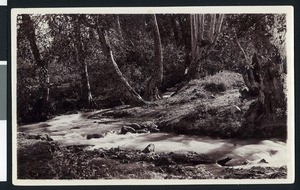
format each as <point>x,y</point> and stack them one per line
<point>154,130</point>
<point>272,152</point>
<point>135,126</point>
<point>142,131</point>
<point>48,138</point>
<point>149,148</point>
<point>263,161</point>
<point>95,136</point>
<point>223,161</point>
<point>245,162</point>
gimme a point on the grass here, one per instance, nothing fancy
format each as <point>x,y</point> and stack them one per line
<point>228,78</point>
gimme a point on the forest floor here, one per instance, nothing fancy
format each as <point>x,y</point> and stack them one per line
<point>194,134</point>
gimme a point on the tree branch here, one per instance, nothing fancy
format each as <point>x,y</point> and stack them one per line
<point>241,48</point>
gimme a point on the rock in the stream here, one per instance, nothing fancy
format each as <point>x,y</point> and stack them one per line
<point>263,161</point>
<point>223,161</point>
<point>46,137</point>
<point>142,131</point>
<point>134,126</point>
<point>152,127</point>
<point>149,148</point>
<point>149,125</point>
<point>154,130</point>
<point>126,129</point>
<point>94,136</point>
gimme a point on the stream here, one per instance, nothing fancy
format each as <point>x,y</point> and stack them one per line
<point>72,130</point>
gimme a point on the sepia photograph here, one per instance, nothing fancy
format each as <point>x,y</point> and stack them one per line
<point>173,95</point>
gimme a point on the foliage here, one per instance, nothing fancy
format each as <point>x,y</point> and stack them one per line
<point>133,48</point>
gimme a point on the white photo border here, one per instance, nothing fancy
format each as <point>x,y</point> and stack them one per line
<point>288,10</point>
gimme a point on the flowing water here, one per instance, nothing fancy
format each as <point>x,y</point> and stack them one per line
<point>72,130</point>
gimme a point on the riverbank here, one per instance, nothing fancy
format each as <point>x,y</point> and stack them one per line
<point>42,159</point>
<point>196,133</point>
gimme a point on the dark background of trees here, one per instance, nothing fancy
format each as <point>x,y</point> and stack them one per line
<point>68,43</point>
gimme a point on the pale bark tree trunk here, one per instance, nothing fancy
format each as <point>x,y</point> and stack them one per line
<point>129,93</point>
<point>186,38</point>
<point>202,40</point>
<point>86,94</point>
<point>154,83</point>
<point>119,26</point>
<point>41,69</point>
<point>175,27</point>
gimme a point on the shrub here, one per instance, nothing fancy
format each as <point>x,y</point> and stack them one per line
<point>212,87</point>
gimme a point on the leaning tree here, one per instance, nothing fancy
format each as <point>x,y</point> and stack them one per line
<point>101,25</point>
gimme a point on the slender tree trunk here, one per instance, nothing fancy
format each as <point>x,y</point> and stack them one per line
<point>153,85</point>
<point>202,40</point>
<point>42,106</point>
<point>185,36</point>
<point>86,95</point>
<point>119,27</point>
<point>175,27</point>
<point>130,94</point>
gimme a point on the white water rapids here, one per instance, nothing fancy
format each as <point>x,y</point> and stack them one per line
<point>72,130</point>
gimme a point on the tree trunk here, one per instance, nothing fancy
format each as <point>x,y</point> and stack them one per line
<point>153,85</point>
<point>185,39</point>
<point>119,27</point>
<point>175,27</point>
<point>86,95</point>
<point>130,94</point>
<point>266,117</point>
<point>42,106</point>
<point>201,40</point>
<point>252,68</point>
